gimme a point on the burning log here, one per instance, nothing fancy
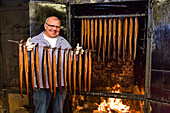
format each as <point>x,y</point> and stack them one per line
<point>113,104</point>
<point>32,70</point>
<point>37,65</point>
<point>20,67</point>
<point>59,70</point>
<point>114,38</point>
<point>135,37</point>
<point>54,72</point>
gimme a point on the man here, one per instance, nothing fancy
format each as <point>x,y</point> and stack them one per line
<point>49,37</point>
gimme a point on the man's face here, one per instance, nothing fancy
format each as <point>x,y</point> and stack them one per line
<point>52,27</point>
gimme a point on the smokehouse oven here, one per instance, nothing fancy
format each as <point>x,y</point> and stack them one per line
<point>112,72</point>
<point>117,35</point>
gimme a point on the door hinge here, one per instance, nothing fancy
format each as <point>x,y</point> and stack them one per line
<point>150,32</point>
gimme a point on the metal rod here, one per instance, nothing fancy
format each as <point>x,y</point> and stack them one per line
<point>111,16</point>
<point>73,2</point>
<point>13,41</point>
<point>159,101</point>
<point>115,95</point>
<point>17,42</point>
<point>123,96</point>
<point>157,70</point>
<point>148,56</point>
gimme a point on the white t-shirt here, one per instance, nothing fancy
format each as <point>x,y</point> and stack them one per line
<point>52,41</point>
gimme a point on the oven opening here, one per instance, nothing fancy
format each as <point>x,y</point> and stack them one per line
<point>116,35</point>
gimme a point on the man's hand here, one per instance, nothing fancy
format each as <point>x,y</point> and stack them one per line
<point>78,49</point>
<point>29,45</point>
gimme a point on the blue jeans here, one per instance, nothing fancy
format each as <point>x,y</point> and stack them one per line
<point>42,100</point>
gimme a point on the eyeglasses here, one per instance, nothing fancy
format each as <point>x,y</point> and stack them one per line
<point>53,26</point>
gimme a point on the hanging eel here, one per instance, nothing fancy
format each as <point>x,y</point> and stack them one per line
<point>65,69</point>
<point>85,70</point>
<point>59,70</point>
<point>95,34</point>
<point>32,70</point>
<point>100,36</point>
<point>26,68</point>
<point>89,68</point>
<point>54,72</point>
<point>20,67</point>
<point>80,69</point>
<point>125,37</point>
<point>130,38</point>
<point>74,71</point>
<point>114,38</point>
<point>82,32</point>
<point>69,69</point>
<point>49,70</point>
<point>88,33</point>
<point>135,37</point>
<point>104,40</point>
<point>45,66</point>
<point>109,40</point>
<point>85,32</point>
<point>37,65</point>
<point>119,36</point>
<point>92,34</point>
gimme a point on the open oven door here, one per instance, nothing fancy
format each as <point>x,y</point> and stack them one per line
<point>160,66</point>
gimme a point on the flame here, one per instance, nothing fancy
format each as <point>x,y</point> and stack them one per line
<point>114,104</point>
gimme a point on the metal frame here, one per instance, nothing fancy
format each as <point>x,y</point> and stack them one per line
<point>148,56</point>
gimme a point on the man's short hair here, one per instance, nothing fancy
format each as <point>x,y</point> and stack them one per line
<point>54,17</point>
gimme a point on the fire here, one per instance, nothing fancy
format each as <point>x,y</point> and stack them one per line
<point>114,104</point>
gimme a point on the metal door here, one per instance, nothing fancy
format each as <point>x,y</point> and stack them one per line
<point>160,67</point>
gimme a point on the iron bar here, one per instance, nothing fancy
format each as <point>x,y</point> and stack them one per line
<point>158,101</point>
<point>115,95</point>
<point>73,2</point>
<point>166,71</point>
<point>109,5</point>
<point>17,42</point>
<point>111,16</point>
<point>148,56</point>
<point>13,41</point>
